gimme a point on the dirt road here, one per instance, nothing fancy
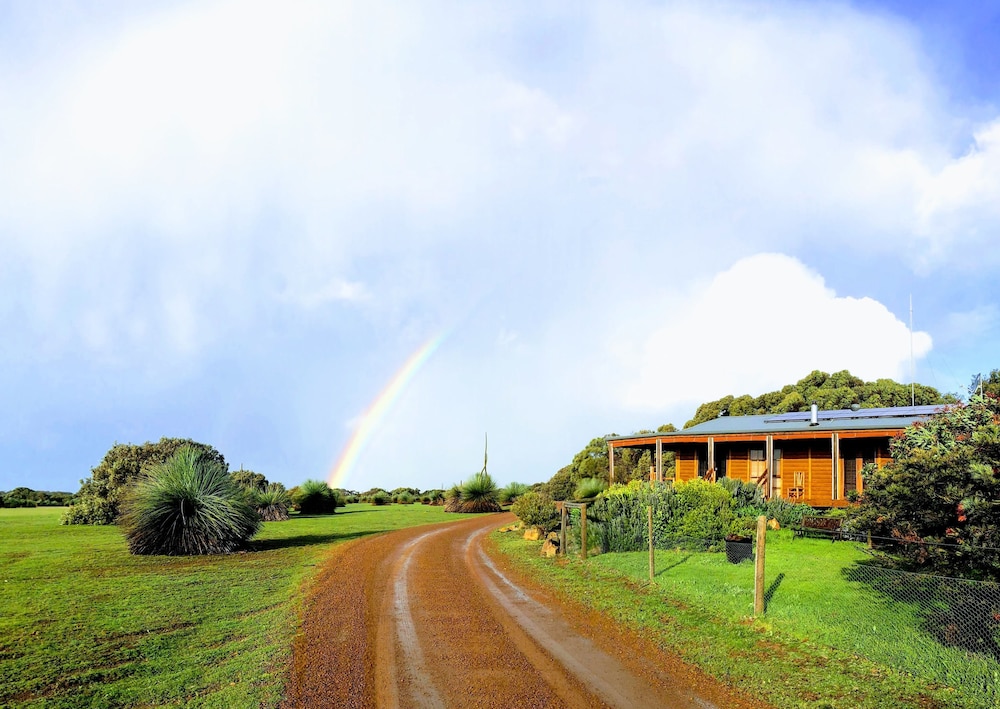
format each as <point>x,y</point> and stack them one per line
<point>424,618</point>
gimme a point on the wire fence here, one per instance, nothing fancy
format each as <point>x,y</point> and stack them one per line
<point>941,629</point>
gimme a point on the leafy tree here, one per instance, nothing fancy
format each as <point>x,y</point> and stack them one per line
<point>940,495</point>
<point>839,390</point>
<point>250,480</point>
<point>100,496</point>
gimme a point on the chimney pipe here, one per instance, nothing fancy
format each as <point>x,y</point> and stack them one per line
<point>814,419</point>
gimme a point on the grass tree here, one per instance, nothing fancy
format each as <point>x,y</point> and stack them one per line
<point>479,494</point>
<point>188,505</point>
<point>316,497</point>
<point>272,503</point>
<point>589,487</point>
<point>506,495</point>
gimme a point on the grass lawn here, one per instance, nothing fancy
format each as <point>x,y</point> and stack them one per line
<point>84,623</point>
<point>825,641</point>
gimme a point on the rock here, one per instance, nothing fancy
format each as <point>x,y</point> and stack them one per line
<point>773,524</point>
<point>550,548</point>
<point>532,534</point>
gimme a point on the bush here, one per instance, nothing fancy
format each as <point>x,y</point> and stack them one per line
<point>272,503</point>
<point>536,509</point>
<point>187,505</point>
<point>101,494</point>
<point>404,498</point>
<point>380,497</point>
<point>314,497</point>
<point>589,488</point>
<point>786,512</point>
<point>747,498</point>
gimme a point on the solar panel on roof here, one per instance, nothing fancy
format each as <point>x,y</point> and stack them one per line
<point>834,415</point>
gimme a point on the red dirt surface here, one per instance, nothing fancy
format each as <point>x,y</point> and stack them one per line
<point>424,617</point>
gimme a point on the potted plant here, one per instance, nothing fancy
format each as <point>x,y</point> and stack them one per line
<point>739,540</point>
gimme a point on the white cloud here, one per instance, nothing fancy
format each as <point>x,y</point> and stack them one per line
<point>766,321</point>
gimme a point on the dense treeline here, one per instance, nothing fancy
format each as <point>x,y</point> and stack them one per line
<point>26,497</point>
<point>839,390</point>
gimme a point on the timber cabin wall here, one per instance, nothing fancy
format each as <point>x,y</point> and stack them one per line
<point>738,463</point>
<point>815,461</point>
<point>686,462</point>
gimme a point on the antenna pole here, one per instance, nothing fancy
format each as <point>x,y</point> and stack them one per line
<point>913,366</point>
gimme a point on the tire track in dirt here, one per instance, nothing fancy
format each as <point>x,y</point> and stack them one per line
<point>425,618</point>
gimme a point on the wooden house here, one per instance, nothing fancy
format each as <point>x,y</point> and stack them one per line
<point>813,456</point>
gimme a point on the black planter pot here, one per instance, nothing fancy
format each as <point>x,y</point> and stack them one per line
<point>739,549</point>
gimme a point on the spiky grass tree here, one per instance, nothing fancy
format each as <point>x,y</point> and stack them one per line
<point>506,495</point>
<point>453,499</point>
<point>272,503</point>
<point>316,497</point>
<point>589,487</point>
<point>188,505</point>
<point>479,494</point>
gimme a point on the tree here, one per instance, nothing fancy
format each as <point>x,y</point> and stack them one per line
<point>839,390</point>
<point>255,482</point>
<point>940,495</point>
<point>100,496</point>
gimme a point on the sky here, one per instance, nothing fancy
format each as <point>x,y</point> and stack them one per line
<point>347,240</point>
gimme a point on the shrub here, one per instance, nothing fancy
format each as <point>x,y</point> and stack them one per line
<point>314,497</point>
<point>479,494</point>
<point>272,503</point>
<point>588,488</point>
<point>536,509</point>
<point>187,505</point>
<point>747,497</point>
<point>786,512</point>
<point>619,516</point>
<point>404,498</point>
<point>102,493</point>
<point>511,492</point>
<point>380,497</point>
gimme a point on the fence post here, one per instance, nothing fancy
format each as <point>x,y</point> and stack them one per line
<point>758,576</point>
<point>651,559</point>
<point>583,531</point>
<point>562,529</point>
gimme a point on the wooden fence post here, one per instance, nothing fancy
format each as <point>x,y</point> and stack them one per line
<point>758,576</point>
<point>583,531</point>
<point>562,529</point>
<point>652,561</point>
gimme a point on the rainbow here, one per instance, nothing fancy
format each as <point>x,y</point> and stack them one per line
<point>378,410</point>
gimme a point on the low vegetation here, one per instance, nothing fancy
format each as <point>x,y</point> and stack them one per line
<point>85,623</point>
<point>829,638</point>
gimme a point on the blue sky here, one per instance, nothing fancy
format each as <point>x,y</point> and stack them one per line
<point>237,221</point>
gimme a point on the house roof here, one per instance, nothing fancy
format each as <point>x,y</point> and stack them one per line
<point>894,418</point>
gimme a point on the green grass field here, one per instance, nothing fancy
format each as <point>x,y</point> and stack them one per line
<point>825,641</point>
<point>84,623</point>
